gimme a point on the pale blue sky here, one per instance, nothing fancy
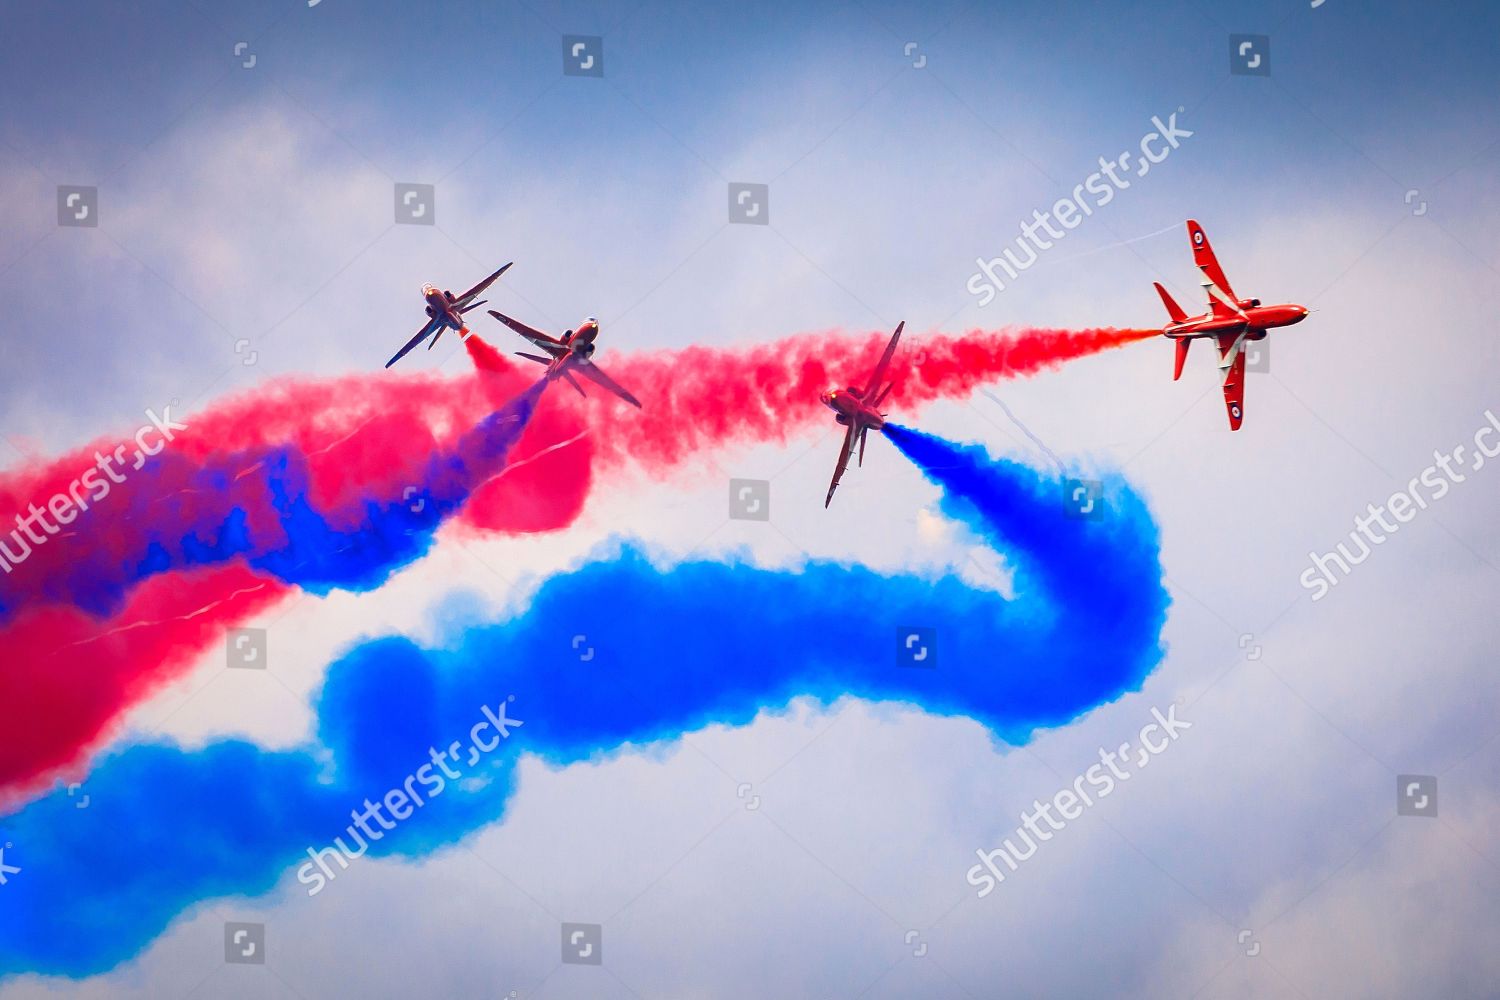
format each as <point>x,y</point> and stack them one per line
<point>256,204</point>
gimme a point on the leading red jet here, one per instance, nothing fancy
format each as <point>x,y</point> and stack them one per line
<point>857,410</point>
<point>445,311</point>
<point>574,352</point>
<point>1230,321</point>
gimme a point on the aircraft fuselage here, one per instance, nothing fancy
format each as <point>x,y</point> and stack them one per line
<point>850,407</point>
<point>581,346</point>
<point>439,307</point>
<point>1257,320</point>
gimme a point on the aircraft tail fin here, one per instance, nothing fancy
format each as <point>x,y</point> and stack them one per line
<point>474,306</point>
<point>1182,345</point>
<point>1173,309</point>
<point>883,393</point>
<point>574,383</point>
<point>436,337</point>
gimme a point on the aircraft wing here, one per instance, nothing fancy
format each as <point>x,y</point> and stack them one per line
<point>591,371</point>
<point>838,471</point>
<point>551,345</point>
<point>422,334</point>
<point>885,361</point>
<point>474,292</point>
<point>1232,360</point>
<point>1222,301</point>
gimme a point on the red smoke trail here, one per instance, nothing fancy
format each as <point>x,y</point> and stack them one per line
<point>703,397</point>
<point>70,676</point>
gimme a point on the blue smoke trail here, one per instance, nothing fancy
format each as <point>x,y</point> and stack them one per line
<point>675,650</point>
<point>158,525</point>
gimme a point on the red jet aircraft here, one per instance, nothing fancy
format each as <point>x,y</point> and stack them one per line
<point>445,311</point>
<point>573,353</point>
<point>856,409</point>
<point>1230,321</point>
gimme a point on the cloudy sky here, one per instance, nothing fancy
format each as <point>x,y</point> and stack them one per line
<point>246,163</point>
